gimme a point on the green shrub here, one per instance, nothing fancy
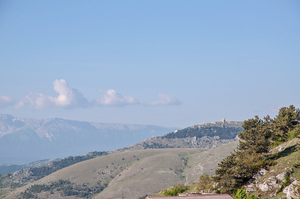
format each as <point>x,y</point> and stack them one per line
<point>175,190</point>
<point>277,142</point>
<point>297,165</point>
<point>287,180</point>
<point>293,134</point>
<point>241,194</point>
<point>205,184</point>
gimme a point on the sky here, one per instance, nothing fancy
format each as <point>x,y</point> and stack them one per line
<point>168,63</point>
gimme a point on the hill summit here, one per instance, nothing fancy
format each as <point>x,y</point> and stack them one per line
<point>205,135</point>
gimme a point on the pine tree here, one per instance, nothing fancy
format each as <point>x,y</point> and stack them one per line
<point>239,167</point>
<point>287,120</point>
<point>251,153</point>
<point>255,135</point>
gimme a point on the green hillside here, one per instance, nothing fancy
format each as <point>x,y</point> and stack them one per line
<point>205,135</point>
<point>286,168</point>
<point>26,176</point>
<point>262,163</point>
<point>265,163</point>
<point>133,173</point>
<point>222,129</point>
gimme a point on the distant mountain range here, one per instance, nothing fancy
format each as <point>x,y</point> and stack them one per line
<point>24,140</point>
<point>179,156</point>
<point>150,166</point>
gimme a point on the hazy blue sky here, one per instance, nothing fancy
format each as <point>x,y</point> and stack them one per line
<point>168,63</point>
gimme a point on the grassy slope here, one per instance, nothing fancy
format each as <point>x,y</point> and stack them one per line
<point>288,159</point>
<point>148,175</point>
<point>103,168</point>
<point>157,175</point>
<point>282,164</point>
<point>207,162</point>
<point>136,173</point>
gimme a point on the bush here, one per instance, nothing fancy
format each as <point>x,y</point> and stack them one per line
<point>241,194</point>
<point>205,184</point>
<point>287,180</point>
<point>175,190</point>
<point>277,142</point>
<point>293,134</point>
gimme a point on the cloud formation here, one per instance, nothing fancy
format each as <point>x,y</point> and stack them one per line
<point>6,101</point>
<point>166,100</point>
<point>112,98</point>
<point>67,98</point>
<point>71,98</point>
<point>36,100</point>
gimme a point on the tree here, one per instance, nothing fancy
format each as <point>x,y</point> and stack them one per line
<point>255,135</point>
<point>248,163</point>
<point>287,120</point>
<point>251,153</point>
<point>225,174</point>
<point>205,184</point>
<point>249,156</point>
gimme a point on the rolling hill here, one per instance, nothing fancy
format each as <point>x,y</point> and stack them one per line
<point>131,173</point>
<point>205,135</point>
<point>155,163</point>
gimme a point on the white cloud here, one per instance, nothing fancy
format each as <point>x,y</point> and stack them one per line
<point>112,98</point>
<point>67,98</point>
<point>36,100</point>
<point>6,101</point>
<point>166,100</point>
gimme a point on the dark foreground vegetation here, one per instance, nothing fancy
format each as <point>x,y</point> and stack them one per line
<point>259,136</point>
<point>252,153</point>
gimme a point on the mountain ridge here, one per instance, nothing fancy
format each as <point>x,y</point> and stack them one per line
<point>205,135</point>
<point>170,149</point>
<point>57,138</point>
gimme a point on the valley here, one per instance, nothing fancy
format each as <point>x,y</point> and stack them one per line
<point>136,170</point>
<point>132,173</point>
